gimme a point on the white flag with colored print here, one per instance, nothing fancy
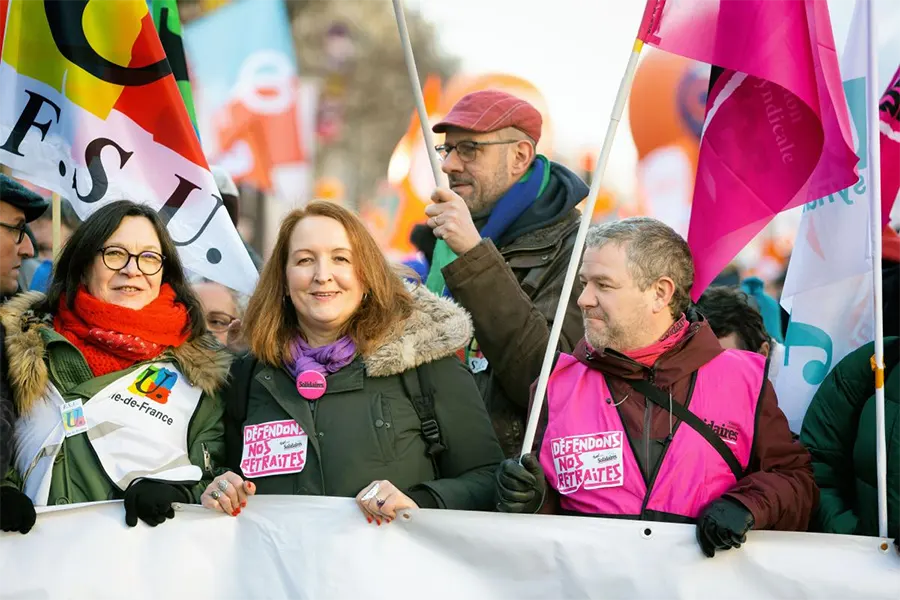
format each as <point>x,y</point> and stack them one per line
<point>89,109</point>
<point>828,289</point>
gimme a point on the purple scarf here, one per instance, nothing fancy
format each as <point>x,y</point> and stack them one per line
<point>324,360</point>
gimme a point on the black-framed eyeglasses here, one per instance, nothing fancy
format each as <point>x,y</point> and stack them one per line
<point>218,321</point>
<point>21,229</point>
<point>117,258</point>
<point>467,150</point>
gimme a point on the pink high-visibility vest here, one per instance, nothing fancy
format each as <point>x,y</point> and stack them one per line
<point>587,455</point>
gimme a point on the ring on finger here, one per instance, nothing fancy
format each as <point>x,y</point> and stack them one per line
<point>370,494</point>
<point>215,494</point>
<point>380,501</point>
<point>223,484</point>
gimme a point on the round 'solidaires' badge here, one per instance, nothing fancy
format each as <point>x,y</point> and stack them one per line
<point>311,385</point>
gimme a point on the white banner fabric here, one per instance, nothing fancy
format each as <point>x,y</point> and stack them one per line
<point>321,548</point>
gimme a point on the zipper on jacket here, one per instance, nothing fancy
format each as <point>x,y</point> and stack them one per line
<point>648,423</point>
<point>207,461</point>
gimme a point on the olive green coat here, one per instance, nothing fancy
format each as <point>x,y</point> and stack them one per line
<point>38,355</point>
<point>365,427</point>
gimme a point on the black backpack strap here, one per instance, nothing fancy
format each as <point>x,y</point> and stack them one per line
<point>662,399</point>
<point>421,394</point>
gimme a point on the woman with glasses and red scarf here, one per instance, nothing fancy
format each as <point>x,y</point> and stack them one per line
<point>114,375</point>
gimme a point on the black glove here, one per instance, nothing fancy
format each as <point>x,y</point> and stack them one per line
<point>521,487</point>
<point>722,525</point>
<point>151,501</point>
<point>16,510</point>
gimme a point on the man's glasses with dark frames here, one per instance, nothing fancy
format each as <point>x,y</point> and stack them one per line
<point>467,150</point>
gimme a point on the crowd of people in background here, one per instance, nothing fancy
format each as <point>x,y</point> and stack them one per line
<point>344,375</point>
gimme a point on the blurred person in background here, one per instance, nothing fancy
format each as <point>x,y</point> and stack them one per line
<point>738,325</point>
<point>510,219</point>
<point>36,272</point>
<point>355,375</point>
<point>222,306</point>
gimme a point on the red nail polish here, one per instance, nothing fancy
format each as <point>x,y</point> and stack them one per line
<point>379,522</point>
<point>244,504</point>
<point>369,519</point>
<point>234,513</point>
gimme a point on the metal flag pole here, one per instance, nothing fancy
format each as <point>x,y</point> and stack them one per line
<point>56,207</point>
<point>417,92</point>
<point>874,150</point>
<point>596,181</point>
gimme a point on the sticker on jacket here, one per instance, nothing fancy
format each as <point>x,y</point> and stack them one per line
<point>273,448</point>
<point>591,461</point>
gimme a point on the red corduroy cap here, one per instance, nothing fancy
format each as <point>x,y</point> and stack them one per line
<point>490,110</point>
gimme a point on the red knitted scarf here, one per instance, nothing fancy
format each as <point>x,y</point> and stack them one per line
<point>113,338</point>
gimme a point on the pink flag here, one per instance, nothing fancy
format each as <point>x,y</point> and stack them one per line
<point>777,131</point>
<point>889,123</point>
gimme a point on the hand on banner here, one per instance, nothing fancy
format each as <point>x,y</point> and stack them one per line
<point>521,487</point>
<point>16,510</point>
<point>151,502</point>
<point>723,525</point>
<point>451,221</point>
<point>228,493</point>
<point>380,500</point>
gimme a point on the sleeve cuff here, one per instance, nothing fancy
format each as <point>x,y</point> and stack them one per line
<point>422,496</point>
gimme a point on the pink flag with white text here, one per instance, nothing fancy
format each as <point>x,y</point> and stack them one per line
<point>777,132</point>
<point>889,124</point>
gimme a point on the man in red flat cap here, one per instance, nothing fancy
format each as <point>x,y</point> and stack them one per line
<point>507,227</point>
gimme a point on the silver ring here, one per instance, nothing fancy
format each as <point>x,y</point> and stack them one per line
<point>223,484</point>
<point>215,494</point>
<point>370,494</point>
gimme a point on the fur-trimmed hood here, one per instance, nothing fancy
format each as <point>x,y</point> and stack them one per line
<point>437,328</point>
<point>203,361</point>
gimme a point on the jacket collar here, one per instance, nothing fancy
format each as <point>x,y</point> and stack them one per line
<point>437,328</point>
<point>203,360</point>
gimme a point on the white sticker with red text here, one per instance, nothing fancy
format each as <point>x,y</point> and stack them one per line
<point>273,448</point>
<point>591,461</point>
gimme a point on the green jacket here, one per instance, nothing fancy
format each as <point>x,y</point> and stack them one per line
<point>365,427</point>
<point>37,354</point>
<point>839,431</point>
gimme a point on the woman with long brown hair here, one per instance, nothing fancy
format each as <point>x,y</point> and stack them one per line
<point>351,386</point>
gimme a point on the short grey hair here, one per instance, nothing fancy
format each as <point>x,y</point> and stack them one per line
<point>240,300</point>
<point>653,250</point>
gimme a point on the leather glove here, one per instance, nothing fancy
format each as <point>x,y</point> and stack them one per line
<point>151,502</point>
<point>16,510</point>
<point>521,487</point>
<point>722,525</point>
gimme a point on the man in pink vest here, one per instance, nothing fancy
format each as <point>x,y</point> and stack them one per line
<point>651,418</point>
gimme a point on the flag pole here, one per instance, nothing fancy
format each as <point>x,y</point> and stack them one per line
<point>57,225</point>
<point>569,281</point>
<point>417,92</point>
<point>874,150</point>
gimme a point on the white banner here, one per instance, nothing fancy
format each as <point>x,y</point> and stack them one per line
<point>828,289</point>
<point>313,547</point>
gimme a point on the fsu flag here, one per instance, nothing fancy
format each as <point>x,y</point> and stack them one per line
<point>776,133</point>
<point>90,110</point>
